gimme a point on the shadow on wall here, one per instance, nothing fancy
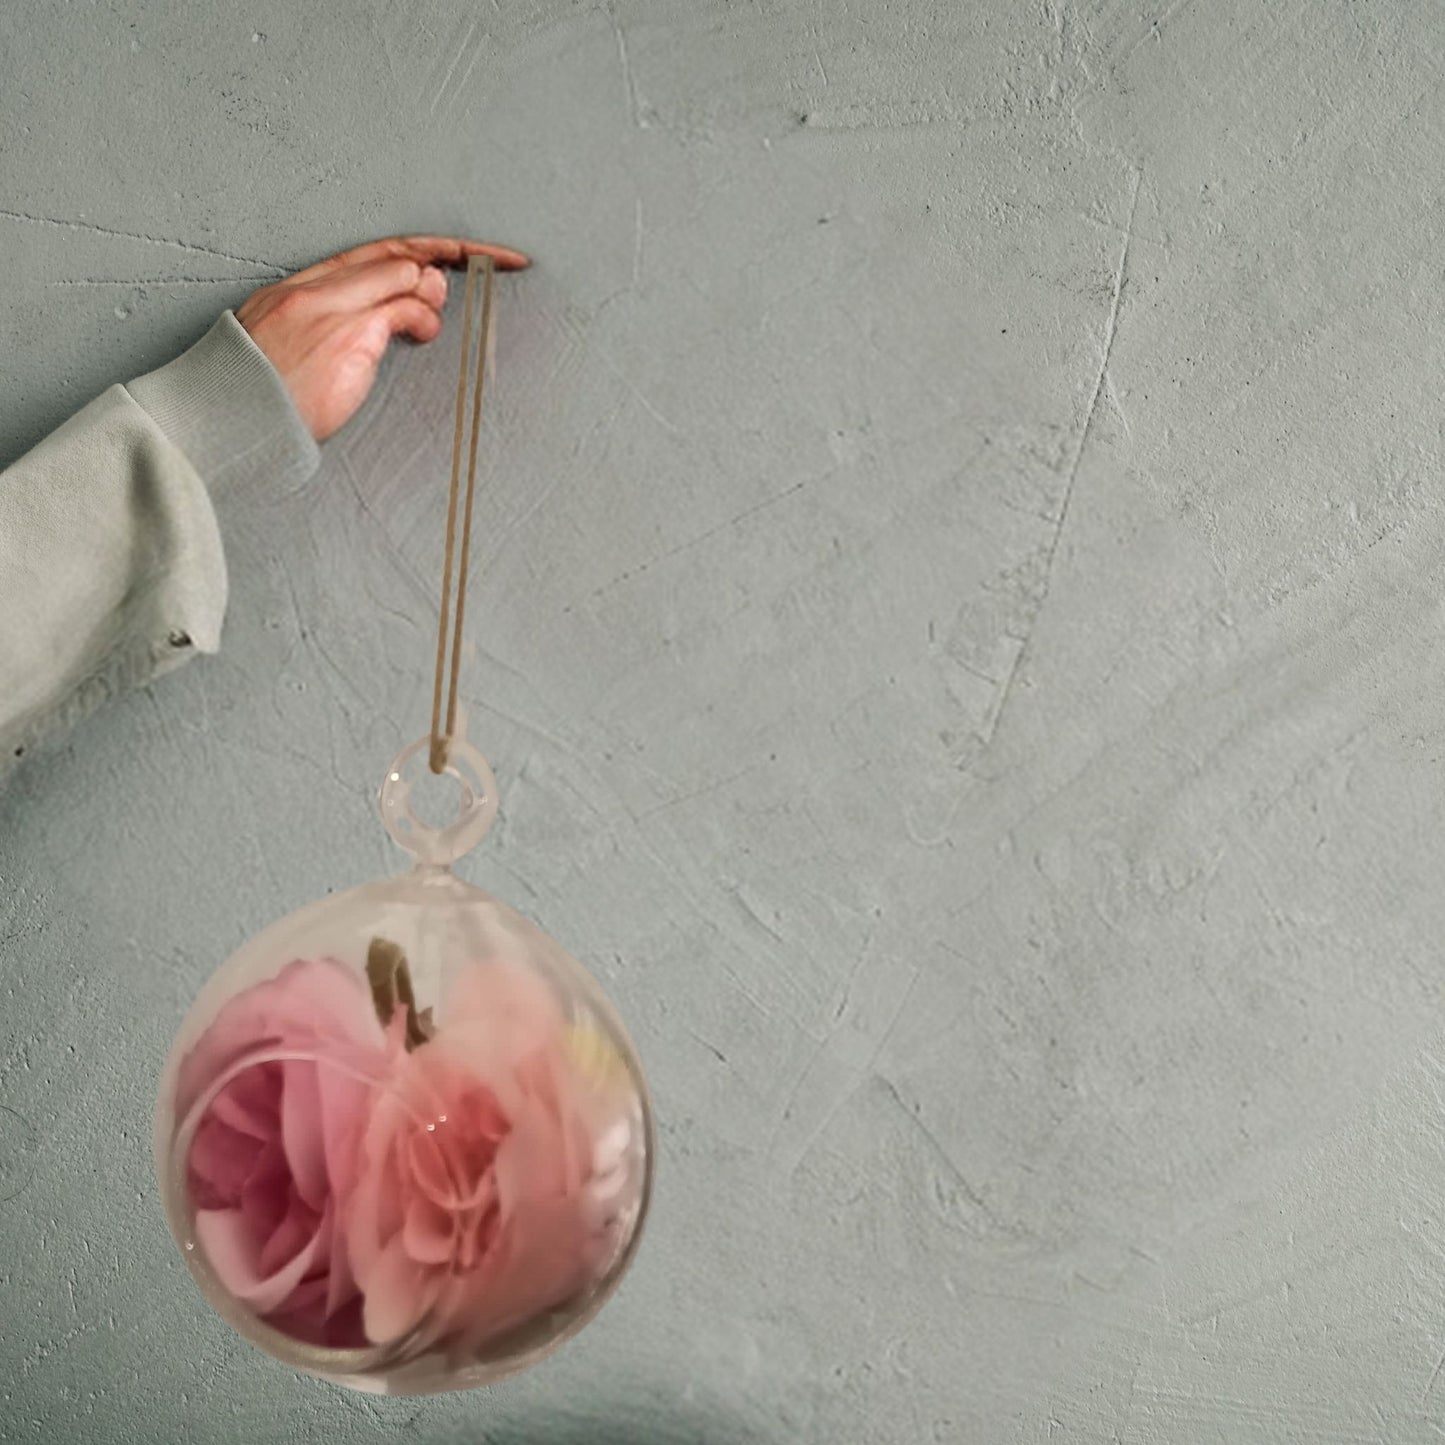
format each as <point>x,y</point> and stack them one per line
<point>646,1422</point>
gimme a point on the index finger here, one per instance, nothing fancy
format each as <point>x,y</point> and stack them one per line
<point>425,250</point>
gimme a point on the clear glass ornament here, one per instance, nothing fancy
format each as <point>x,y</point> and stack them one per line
<point>403,1139</point>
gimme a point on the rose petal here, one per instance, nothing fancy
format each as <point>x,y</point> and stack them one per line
<point>220,1161</point>
<point>535,1265</point>
<point>610,1148</point>
<point>343,1101</point>
<point>239,1028</point>
<point>531,1163</point>
<point>229,1249</point>
<point>513,1000</point>
<point>428,1233</point>
<point>340,1279</point>
<point>302,1315</point>
<point>545,1073</point>
<point>329,996</point>
<point>303,1132</point>
<point>229,1244</point>
<point>249,1102</point>
<point>477,1229</point>
<point>605,1191</point>
<point>267,1192</point>
<point>390,1201</point>
<point>427,1165</point>
<point>310,1002</point>
<point>398,1294</point>
<point>281,1143</point>
<point>297,1228</point>
<point>496,1014</point>
<point>373,1220</point>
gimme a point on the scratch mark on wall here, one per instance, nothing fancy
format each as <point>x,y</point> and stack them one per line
<point>339,672</point>
<point>17,1152</point>
<point>974,671</point>
<point>300,638</point>
<point>713,1049</point>
<point>451,69</point>
<point>847,994</point>
<point>663,421</point>
<point>1155,26</point>
<point>1434,1376</point>
<point>1119,407</point>
<point>858,1075</point>
<point>594,349</point>
<point>275,748</point>
<point>909,116</point>
<point>63,224</point>
<point>1051,552</point>
<point>502,542</point>
<point>1110,331</point>
<point>161,280</point>
<point>461,86</point>
<point>634,106</point>
<point>716,785</point>
<point>404,567</point>
<point>381,44</point>
<point>1127,1413</point>
<point>711,532</point>
<point>935,1144</point>
<point>722,960</point>
<point>746,905</point>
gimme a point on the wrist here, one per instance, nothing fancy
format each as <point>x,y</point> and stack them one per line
<point>228,410</point>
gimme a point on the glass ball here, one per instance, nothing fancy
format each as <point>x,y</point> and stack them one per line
<point>404,1142</point>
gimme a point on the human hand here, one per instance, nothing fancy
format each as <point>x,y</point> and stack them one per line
<point>326,328</point>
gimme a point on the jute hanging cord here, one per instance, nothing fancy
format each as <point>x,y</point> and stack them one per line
<point>443,732</point>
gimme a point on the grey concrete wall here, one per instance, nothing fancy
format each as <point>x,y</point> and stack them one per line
<point>958,630</point>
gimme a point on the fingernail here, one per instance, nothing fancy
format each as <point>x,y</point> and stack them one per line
<point>505,255</point>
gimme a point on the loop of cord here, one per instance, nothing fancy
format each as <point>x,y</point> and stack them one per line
<point>443,730</point>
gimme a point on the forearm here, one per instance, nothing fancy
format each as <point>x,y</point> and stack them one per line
<point>111,565</point>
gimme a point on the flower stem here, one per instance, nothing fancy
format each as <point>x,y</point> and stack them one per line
<point>390,980</point>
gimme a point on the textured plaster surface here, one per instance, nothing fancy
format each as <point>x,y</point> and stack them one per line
<point>958,628</point>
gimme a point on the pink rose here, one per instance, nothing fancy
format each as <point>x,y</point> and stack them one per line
<point>484,1172</point>
<point>274,1155</point>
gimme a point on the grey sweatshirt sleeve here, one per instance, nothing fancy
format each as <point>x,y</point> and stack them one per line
<point>111,568</point>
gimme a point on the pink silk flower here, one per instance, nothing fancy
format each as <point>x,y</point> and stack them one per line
<point>275,1152</point>
<point>475,1207</point>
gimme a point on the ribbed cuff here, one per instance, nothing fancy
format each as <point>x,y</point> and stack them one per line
<point>224,405</point>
